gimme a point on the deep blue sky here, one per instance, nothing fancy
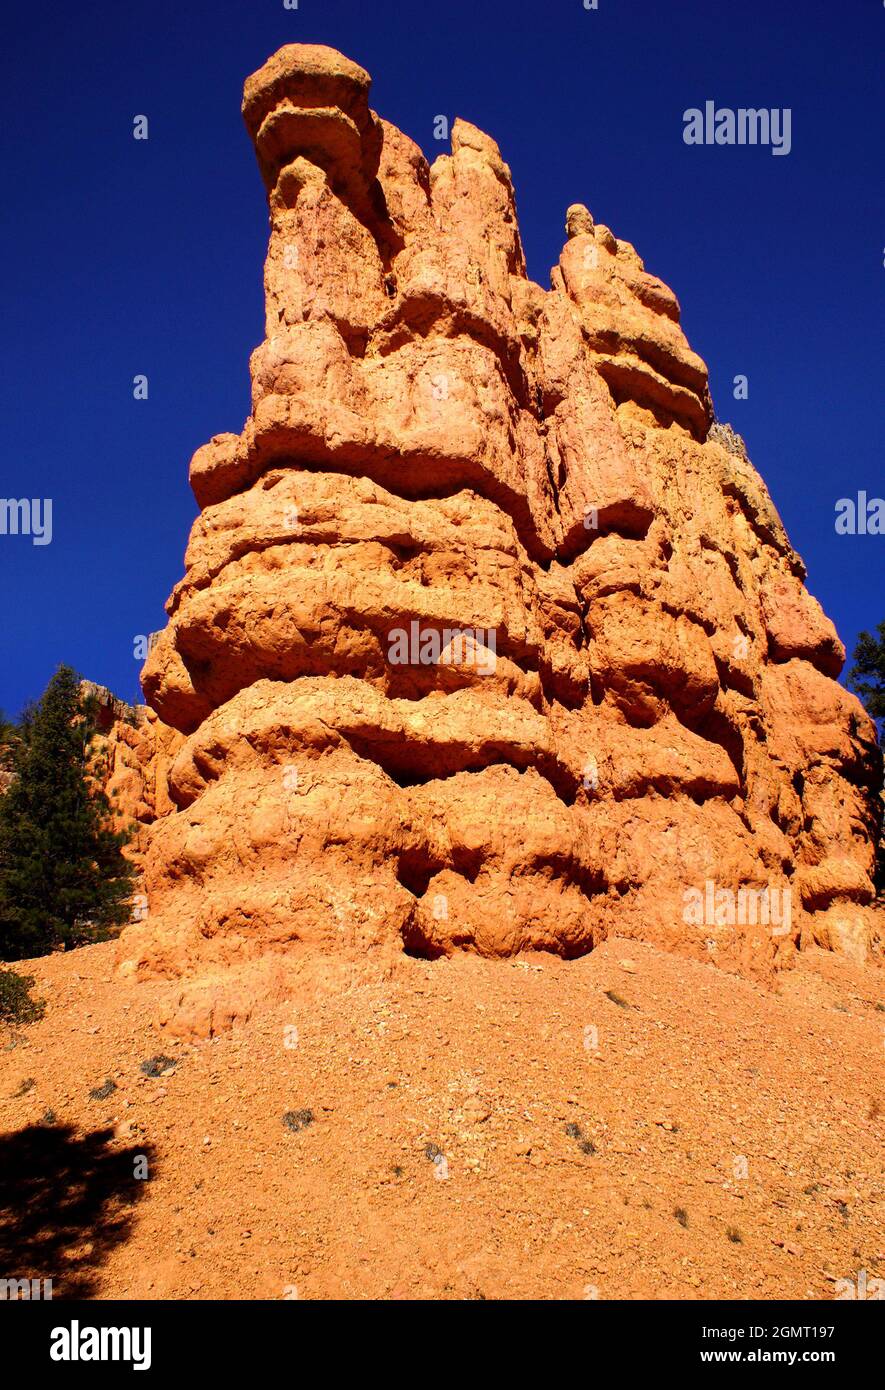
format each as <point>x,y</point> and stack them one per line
<point>119,257</point>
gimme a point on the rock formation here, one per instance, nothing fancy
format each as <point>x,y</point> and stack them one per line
<point>133,752</point>
<point>130,757</point>
<point>489,637</point>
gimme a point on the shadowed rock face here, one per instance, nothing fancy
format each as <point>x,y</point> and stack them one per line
<point>645,701</point>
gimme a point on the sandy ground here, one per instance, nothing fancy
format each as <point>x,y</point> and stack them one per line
<point>629,1125</point>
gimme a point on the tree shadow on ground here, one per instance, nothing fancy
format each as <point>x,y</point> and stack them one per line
<point>66,1200</point>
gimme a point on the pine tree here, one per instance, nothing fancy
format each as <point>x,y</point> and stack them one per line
<point>64,880</point>
<point>867,680</point>
<point>867,675</point>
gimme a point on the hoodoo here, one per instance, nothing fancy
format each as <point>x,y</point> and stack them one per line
<point>437,441</point>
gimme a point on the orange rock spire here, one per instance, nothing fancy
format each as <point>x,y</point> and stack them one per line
<point>629,696</point>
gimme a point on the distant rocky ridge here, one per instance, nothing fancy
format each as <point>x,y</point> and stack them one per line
<point>437,441</point>
<point>133,753</point>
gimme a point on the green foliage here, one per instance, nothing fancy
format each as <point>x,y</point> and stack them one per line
<point>867,680</point>
<point>16,1004</point>
<point>867,675</point>
<point>63,878</point>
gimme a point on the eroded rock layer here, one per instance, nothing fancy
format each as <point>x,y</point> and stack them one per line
<point>132,753</point>
<point>644,706</point>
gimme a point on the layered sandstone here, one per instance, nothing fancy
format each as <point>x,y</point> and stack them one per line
<point>132,752</point>
<point>438,445</point>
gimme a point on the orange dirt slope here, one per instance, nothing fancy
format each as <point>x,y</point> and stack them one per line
<point>476,1129</point>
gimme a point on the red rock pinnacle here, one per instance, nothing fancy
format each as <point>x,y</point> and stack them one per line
<point>488,638</point>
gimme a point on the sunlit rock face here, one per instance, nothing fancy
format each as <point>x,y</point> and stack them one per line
<point>488,639</point>
<point>130,757</point>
